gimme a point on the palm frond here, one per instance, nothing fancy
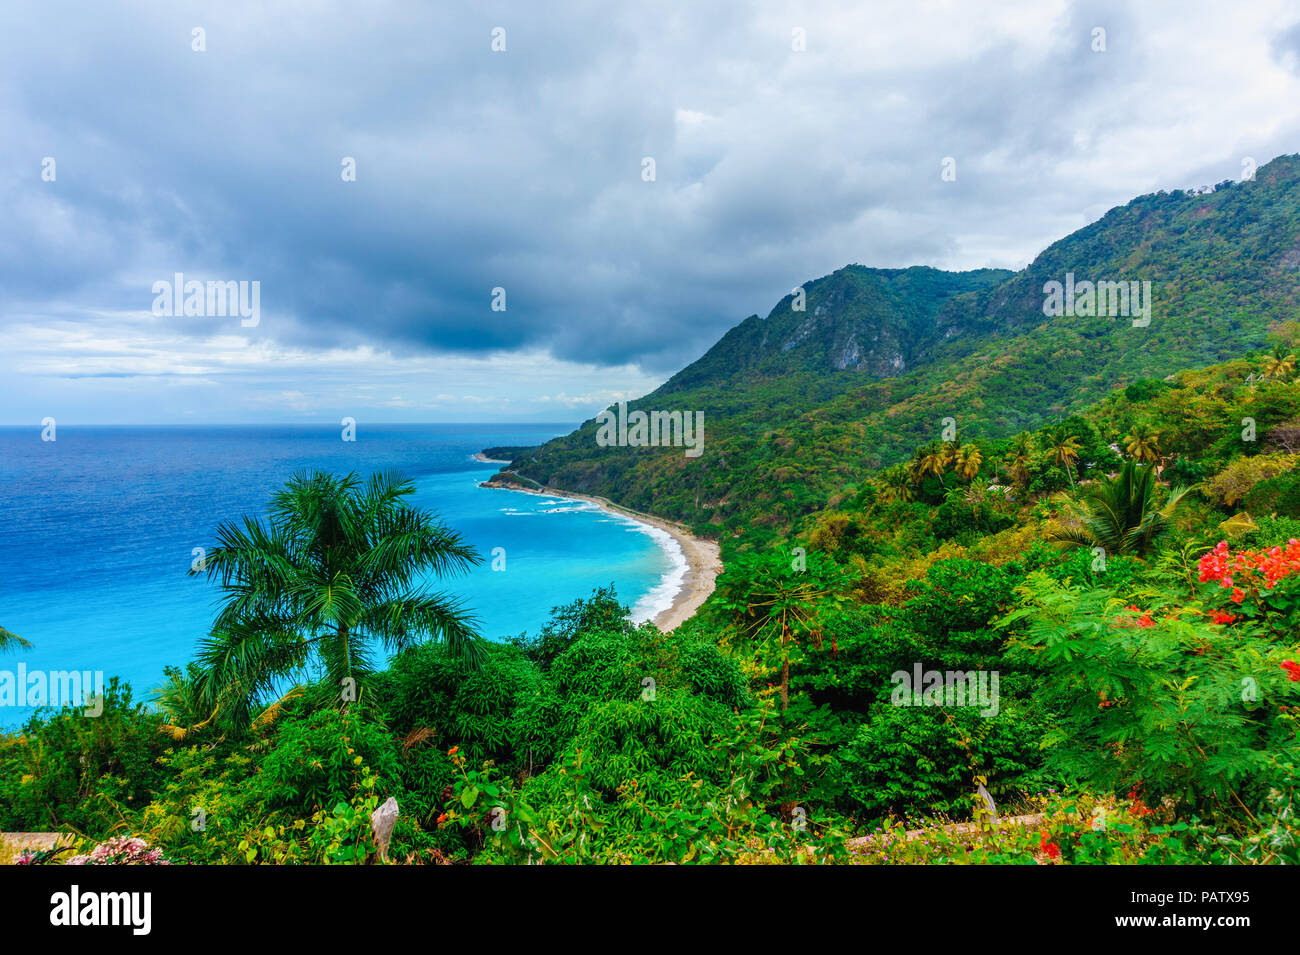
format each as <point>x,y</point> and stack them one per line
<point>11,641</point>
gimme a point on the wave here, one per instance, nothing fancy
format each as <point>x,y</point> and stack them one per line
<point>662,596</point>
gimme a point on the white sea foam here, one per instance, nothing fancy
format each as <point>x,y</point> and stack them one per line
<point>662,595</point>
<point>569,503</point>
<point>567,510</point>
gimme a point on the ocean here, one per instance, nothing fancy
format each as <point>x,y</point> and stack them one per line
<point>98,530</point>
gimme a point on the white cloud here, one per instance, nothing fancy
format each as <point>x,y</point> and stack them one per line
<point>522,170</point>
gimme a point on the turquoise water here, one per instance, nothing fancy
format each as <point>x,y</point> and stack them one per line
<point>97,531</point>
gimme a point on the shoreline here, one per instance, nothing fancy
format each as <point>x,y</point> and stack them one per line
<point>481,457</point>
<point>703,557</point>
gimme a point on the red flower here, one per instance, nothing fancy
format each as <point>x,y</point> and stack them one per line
<point>1051,848</point>
<point>1247,570</point>
<point>1139,808</point>
<point>1292,670</point>
<point>1219,616</point>
<point>1143,621</point>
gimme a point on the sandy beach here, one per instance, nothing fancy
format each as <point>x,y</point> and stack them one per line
<point>703,557</point>
<point>480,456</point>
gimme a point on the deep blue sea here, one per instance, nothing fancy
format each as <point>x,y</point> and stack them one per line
<point>98,528</point>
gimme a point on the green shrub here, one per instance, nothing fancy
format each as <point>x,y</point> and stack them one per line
<point>960,595</point>
<point>504,710</point>
<point>921,760</point>
<point>65,769</point>
<point>1280,495</point>
<point>1161,697</point>
<point>313,761</point>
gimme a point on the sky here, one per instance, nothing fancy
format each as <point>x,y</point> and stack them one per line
<point>483,211</point>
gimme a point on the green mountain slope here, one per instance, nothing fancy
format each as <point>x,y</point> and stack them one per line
<point>874,322</point>
<point>798,406</point>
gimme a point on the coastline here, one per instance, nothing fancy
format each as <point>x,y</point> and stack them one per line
<point>703,557</point>
<point>484,459</point>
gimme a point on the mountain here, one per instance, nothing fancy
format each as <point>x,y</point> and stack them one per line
<point>797,407</point>
<point>874,322</point>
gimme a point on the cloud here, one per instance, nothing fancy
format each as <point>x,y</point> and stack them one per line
<point>522,170</point>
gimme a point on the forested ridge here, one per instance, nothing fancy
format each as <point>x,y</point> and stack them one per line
<point>788,425</point>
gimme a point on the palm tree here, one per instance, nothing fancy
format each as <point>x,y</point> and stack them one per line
<point>1022,451</point>
<point>934,461</point>
<point>968,460</point>
<point>768,601</point>
<point>897,484</point>
<point>1121,515</point>
<point>914,467</point>
<point>1143,443</point>
<point>1279,364</point>
<point>180,700</point>
<point>339,568</point>
<point>1064,449</point>
<point>11,641</point>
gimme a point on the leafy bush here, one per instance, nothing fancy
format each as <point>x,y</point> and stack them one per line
<point>314,761</point>
<point>922,760</point>
<point>621,796</point>
<point>502,710</point>
<point>1235,481</point>
<point>1161,697</point>
<point>1280,495</point>
<point>957,518</point>
<point>960,595</point>
<point>68,770</point>
<point>602,611</point>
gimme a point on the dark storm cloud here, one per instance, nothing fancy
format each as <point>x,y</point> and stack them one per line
<point>523,169</point>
